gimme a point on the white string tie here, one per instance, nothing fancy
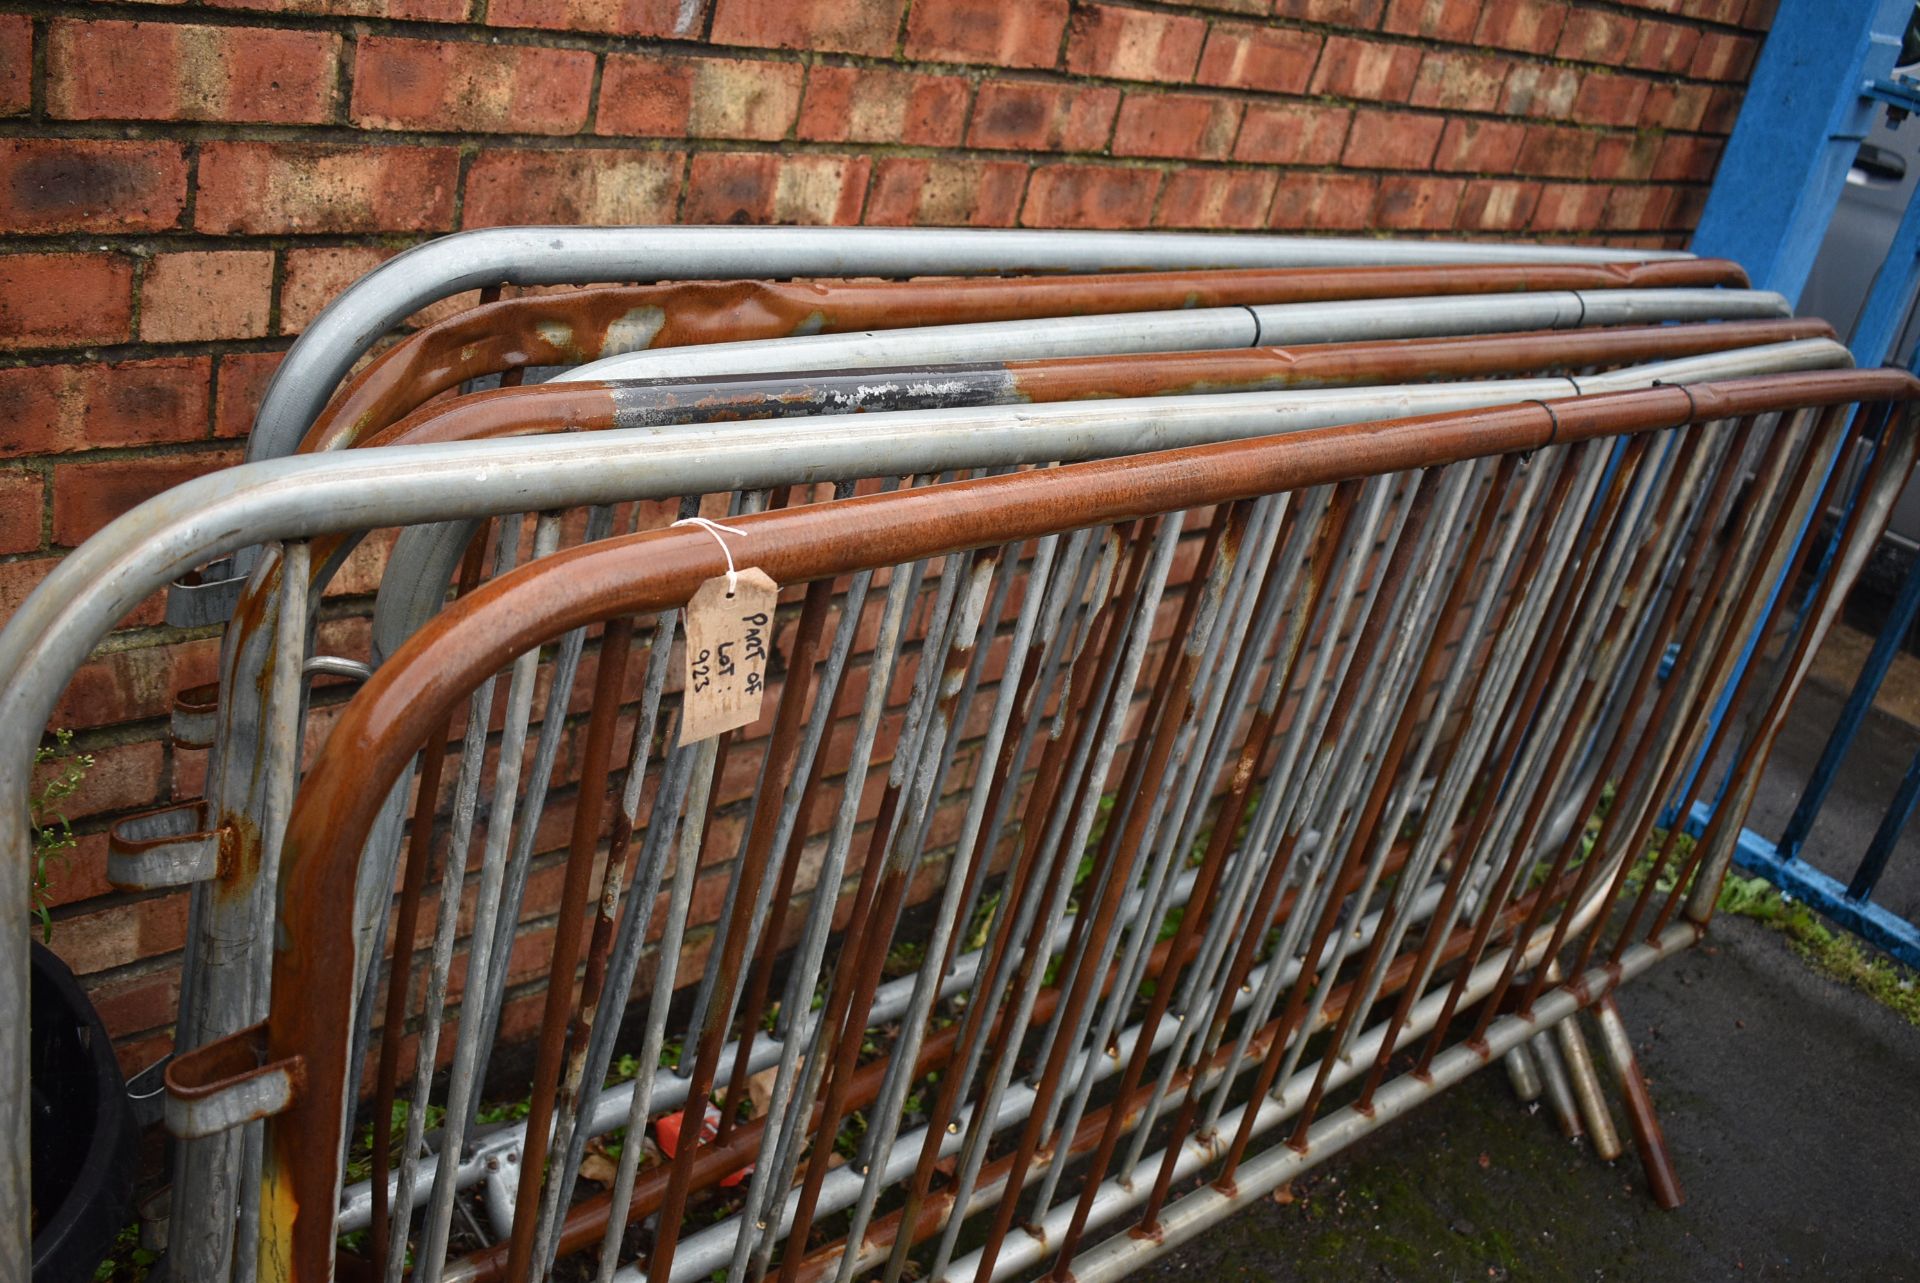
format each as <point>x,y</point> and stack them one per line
<point>714,528</point>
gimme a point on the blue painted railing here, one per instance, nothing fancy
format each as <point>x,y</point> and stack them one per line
<point>1823,75</point>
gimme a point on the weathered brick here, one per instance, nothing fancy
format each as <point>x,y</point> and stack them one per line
<point>741,187</point>
<point>1676,106</point>
<point>64,300</point>
<point>419,10</point>
<point>201,296</point>
<point>1338,13</point>
<point>1479,146</point>
<point>1568,207</point>
<point>1452,20</point>
<point>1188,126</point>
<point>1293,134</point>
<point>122,933</point>
<point>1722,110</point>
<point>987,31</point>
<point>18,579</point>
<point>595,187</point>
<point>1453,81</point>
<point>614,17</point>
<point>240,381</point>
<point>1596,35</point>
<point>1417,203</point>
<point>135,683</point>
<point>311,278</point>
<point>1624,157</point>
<point>183,71</point>
<point>946,193</point>
<point>1216,198</point>
<point>1244,55</point>
<point>86,496</point>
<point>1134,44</point>
<point>1074,195</point>
<point>1360,69</point>
<point>874,105</point>
<point>264,189</point>
<point>1540,90</point>
<point>1723,56</point>
<point>1663,46</point>
<point>1607,99</point>
<point>1638,208</point>
<point>1323,202</point>
<point>1527,26</point>
<point>58,409</point>
<point>698,97</point>
<point>1556,152</point>
<point>1496,205</point>
<point>839,26</point>
<point>22,496</point>
<point>1392,140</point>
<point>16,63</point>
<point>1687,159</point>
<point>87,185</point>
<point>470,87</point>
<point>1042,117</point>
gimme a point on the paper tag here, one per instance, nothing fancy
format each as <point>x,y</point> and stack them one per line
<point>727,643</point>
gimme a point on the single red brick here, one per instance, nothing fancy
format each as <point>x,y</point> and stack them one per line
<point>1460,81</point>
<point>946,192</point>
<point>1556,152</point>
<point>274,188</point>
<point>86,496</point>
<point>1684,158</point>
<point>1527,26</point>
<point>1758,14</point>
<point>594,187</point>
<point>1323,202</point>
<point>1189,126</point>
<point>1722,110</point>
<point>241,382</point>
<point>1392,140</point>
<point>1676,106</point>
<point>877,105</point>
<point>1607,99</point>
<point>1023,115</point>
<point>1418,204</point>
<point>1688,204</point>
<point>16,63</point>
<point>1293,134</point>
<point>1133,44</point>
<point>1354,68</point>
<point>1637,209</point>
<point>1569,207</point>
<point>79,185</point>
<point>1625,156</point>
<point>58,409</point>
<point>22,498</point>
<point>18,579</point>
<point>1243,55</point>
<point>123,933</point>
<point>122,777</point>
<point>138,1004</point>
<point>64,300</point>
<point>1497,205</point>
<point>613,17</point>
<point>1338,13</point>
<point>1479,146</point>
<point>1595,35</point>
<point>419,10</point>
<point>746,187</point>
<point>312,278</point>
<point>1663,46</point>
<point>181,71</point>
<point>198,296</point>
<point>698,97</point>
<point>136,683</point>
<point>1074,195</point>
<point>1540,90</point>
<point>1433,19</point>
<point>987,31</point>
<point>839,26</point>
<point>470,87</point>
<point>1211,198</point>
<point>1722,56</point>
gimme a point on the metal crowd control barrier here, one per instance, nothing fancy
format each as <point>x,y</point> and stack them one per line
<point>1408,646</point>
<point>260,742</point>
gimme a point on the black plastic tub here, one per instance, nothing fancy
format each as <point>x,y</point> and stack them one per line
<point>83,1134</point>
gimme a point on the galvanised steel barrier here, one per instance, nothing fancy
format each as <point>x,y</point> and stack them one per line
<point>255,744</point>
<point>1479,632</point>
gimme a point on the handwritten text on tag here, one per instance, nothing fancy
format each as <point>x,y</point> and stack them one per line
<point>727,643</point>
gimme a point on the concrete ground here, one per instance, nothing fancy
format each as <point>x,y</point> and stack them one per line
<point>1791,1105</point>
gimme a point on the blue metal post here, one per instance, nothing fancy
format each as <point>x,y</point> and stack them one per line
<point>1803,120</point>
<point>1867,876</point>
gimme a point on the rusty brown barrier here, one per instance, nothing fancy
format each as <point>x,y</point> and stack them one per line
<point>1225,853</point>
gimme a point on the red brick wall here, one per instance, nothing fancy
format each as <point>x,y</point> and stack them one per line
<point>184,185</point>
